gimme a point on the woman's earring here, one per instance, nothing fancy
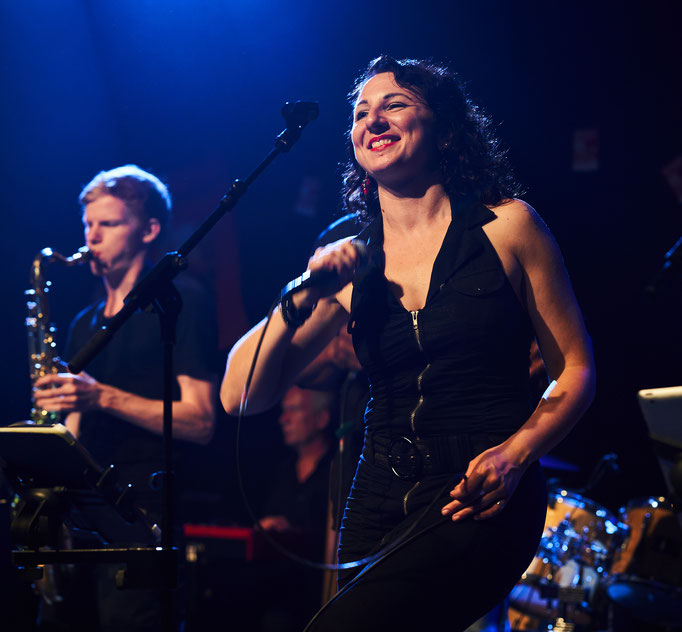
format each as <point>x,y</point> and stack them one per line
<point>365,185</point>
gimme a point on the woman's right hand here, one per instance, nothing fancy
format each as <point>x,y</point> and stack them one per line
<point>340,257</point>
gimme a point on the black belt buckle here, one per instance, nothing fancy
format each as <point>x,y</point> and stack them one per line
<point>405,459</point>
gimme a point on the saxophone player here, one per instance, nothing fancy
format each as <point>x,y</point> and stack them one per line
<point>115,409</point>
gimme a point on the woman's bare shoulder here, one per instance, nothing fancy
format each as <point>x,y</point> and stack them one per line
<point>517,213</point>
<point>518,224</point>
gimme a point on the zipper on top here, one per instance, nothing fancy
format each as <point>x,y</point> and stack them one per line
<point>420,377</point>
<point>420,401</point>
<point>415,326</point>
<point>407,495</point>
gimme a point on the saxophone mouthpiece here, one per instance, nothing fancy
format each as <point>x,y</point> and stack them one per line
<point>83,255</point>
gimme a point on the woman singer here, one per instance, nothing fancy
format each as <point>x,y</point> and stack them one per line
<point>462,276</point>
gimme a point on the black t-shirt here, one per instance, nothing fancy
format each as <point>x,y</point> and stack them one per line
<point>303,504</point>
<point>133,362</point>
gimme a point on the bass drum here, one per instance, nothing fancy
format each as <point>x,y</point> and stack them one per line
<point>565,578</point>
<point>646,576</point>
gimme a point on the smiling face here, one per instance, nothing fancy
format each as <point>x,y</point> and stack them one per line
<point>393,132</point>
<point>115,235</point>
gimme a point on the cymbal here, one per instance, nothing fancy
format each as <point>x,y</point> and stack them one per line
<point>554,463</point>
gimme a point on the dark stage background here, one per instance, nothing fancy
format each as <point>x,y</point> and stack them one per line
<point>584,96</point>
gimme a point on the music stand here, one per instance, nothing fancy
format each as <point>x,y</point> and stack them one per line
<point>662,410</point>
<point>58,482</point>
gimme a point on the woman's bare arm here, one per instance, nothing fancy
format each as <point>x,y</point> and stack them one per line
<point>567,352</point>
<point>285,352</point>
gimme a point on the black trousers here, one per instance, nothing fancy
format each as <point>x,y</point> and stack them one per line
<point>441,572</point>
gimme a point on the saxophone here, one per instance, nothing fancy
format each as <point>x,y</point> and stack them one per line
<point>43,360</point>
<point>42,348</point>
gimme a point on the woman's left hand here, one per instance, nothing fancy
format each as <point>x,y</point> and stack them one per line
<point>490,480</point>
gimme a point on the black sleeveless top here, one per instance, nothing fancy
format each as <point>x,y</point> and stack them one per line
<point>458,365</point>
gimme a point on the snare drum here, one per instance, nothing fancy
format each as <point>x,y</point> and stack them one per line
<point>647,569</point>
<point>571,562</point>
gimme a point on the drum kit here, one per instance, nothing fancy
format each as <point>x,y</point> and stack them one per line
<point>595,571</point>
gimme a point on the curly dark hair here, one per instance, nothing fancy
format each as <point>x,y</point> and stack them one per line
<point>472,162</point>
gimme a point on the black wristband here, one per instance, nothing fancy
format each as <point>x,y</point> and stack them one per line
<point>293,317</point>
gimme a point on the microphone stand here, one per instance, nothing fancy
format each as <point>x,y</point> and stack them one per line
<point>156,291</point>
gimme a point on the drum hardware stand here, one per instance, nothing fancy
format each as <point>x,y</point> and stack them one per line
<point>565,595</point>
<point>561,625</point>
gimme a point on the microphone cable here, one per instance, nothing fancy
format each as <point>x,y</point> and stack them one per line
<point>369,561</point>
<point>374,560</point>
<point>240,480</point>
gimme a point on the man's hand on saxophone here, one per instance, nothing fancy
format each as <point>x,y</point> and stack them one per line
<point>64,392</point>
<point>192,414</point>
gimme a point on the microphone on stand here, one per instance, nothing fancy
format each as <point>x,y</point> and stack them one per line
<point>297,114</point>
<point>300,113</point>
<point>314,278</point>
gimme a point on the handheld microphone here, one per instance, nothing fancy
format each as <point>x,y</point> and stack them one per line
<point>311,278</point>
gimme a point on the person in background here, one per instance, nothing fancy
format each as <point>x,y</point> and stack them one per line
<point>295,513</point>
<point>298,499</point>
<point>115,408</point>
